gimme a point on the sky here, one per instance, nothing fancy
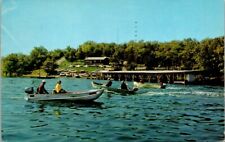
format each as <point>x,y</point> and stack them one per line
<point>56,24</point>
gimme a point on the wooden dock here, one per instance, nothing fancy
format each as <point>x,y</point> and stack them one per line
<point>167,76</point>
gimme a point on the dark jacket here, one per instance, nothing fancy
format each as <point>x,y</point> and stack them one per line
<point>109,83</point>
<point>124,86</point>
<point>41,89</point>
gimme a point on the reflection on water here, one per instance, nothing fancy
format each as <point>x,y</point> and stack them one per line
<point>178,113</point>
<point>40,106</point>
<point>92,104</point>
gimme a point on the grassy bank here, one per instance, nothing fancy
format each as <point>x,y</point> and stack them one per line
<point>77,66</point>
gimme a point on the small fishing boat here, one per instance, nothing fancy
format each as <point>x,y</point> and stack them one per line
<point>111,89</point>
<point>149,85</point>
<point>82,96</point>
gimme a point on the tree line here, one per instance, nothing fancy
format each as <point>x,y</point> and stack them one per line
<point>206,55</point>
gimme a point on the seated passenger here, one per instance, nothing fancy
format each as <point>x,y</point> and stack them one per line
<point>41,89</point>
<point>58,88</point>
<point>124,85</point>
<point>109,83</point>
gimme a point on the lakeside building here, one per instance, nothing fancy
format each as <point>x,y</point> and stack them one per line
<point>96,60</point>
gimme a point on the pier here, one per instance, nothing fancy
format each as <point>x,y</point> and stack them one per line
<point>167,76</point>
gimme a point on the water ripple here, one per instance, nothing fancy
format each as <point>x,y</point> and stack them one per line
<point>178,113</point>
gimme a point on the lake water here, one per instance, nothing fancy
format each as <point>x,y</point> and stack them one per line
<point>177,113</point>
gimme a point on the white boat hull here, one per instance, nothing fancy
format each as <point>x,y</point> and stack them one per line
<point>69,96</point>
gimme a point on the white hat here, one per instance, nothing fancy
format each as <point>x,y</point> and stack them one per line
<point>43,81</point>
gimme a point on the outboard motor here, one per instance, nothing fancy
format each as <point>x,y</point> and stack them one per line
<point>29,90</point>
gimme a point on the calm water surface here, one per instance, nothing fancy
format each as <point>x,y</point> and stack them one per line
<point>178,113</point>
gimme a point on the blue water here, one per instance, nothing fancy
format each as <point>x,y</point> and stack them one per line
<point>177,113</point>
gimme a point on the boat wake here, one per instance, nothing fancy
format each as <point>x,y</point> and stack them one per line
<point>181,92</point>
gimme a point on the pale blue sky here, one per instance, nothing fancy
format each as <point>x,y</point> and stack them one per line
<point>59,23</point>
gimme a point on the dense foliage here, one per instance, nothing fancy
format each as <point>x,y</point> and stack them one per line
<point>206,55</point>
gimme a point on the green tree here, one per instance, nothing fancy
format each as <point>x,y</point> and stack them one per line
<point>38,56</point>
<point>148,55</point>
<point>163,55</point>
<point>188,54</point>
<point>80,54</point>
<point>9,64</point>
<point>210,56</point>
<point>88,48</point>
<point>131,55</point>
<point>23,64</point>
<point>118,56</point>
<point>97,51</point>
<point>56,54</point>
<point>108,49</point>
<point>49,65</point>
<point>206,55</point>
<point>70,54</point>
<point>15,64</point>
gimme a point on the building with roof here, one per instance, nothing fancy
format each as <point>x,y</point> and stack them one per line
<point>96,60</point>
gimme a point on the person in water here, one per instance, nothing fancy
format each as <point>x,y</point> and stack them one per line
<point>41,89</point>
<point>58,88</point>
<point>124,85</point>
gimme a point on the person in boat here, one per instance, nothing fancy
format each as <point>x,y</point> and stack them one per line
<point>109,83</point>
<point>58,88</point>
<point>124,85</point>
<point>41,89</point>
